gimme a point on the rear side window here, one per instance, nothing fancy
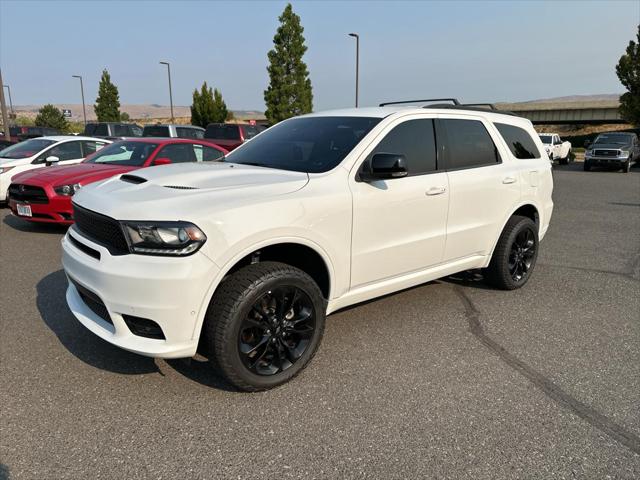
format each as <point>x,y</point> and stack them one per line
<point>101,129</point>
<point>185,132</point>
<point>205,153</point>
<point>156,131</point>
<point>136,130</point>
<point>89,147</point>
<point>415,140</point>
<point>223,132</point>
<point>179,153</point>
<point>249,131</point>
<point>468,144</point>
<point>121,130</point>
<point>519,141</point>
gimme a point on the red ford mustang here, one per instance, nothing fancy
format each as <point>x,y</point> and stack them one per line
<point>44,195</point>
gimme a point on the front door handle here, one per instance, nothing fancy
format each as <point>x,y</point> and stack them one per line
<point>509,180</point>
<point>436,191</point>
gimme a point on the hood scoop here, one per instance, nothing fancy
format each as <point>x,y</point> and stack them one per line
<point>133,179</point>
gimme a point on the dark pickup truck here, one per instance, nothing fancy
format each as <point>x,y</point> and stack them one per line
<point>112,130</point>
<point>613,150</point>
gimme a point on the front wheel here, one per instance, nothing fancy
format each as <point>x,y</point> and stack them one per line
<point>264,325</point>
<point>626,167</point>
<point>515,255</point>
<point>564,160</point>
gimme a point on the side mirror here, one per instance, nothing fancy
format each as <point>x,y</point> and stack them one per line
<point>587,143</point>
<point>384,166</point>
<point>162,161</point>
<point>51,160</point>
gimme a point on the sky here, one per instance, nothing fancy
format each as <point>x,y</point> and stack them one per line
<point>478,51</point>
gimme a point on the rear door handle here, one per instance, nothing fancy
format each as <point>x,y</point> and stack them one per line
<point>508,180</point>
<point>436,191</point>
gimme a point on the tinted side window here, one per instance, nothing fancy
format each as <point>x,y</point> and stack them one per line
<point>223,132</point>
<point>91,147</point>
<point>66,151</point>
<point>89,129</point>
<point>207,154</point>
<point>136,131</point>
<point>178,153</point>
<point>519,141</point>
<point>120,130</point>
<point>416,141</point>
<point>102,129</point>
<point>156,131</point>
<point>249,131</point>
<point>469,144</point>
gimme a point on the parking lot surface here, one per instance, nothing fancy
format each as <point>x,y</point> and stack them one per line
<point>447,380</point>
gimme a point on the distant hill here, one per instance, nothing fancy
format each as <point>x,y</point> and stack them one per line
<point>613,97</point>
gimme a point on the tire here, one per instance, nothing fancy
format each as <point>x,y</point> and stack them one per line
<point>626,168</point>
<point>253,337</point>
<point>586,167</point>
<point>519,232</point>
<point>564,160</point>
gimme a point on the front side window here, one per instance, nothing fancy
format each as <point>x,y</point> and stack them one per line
<point>66,151</point>
<point>25,149</point>
<point>133,154</point>
<point>179,153</point>
<point>415,140</point>
<point>469,144</point>
<point>90,147</point>
<point>305,144</point>
<point>519,141</point>
<point>204,153</point>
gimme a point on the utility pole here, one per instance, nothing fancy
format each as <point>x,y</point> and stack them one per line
<point>13,114</point>
<point>357,37</point>
<point>170,94</point>
<point>3,107</point>
<point>84,111</point>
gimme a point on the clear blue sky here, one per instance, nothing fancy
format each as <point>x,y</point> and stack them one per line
<point>477,51</point>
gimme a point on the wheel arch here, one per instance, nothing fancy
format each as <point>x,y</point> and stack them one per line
<point>526,209</point>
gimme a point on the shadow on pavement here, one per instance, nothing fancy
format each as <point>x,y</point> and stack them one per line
<point>4,472</point>
<point>30,227</point>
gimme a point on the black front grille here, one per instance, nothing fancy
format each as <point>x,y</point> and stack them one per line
<point>92,301</point>
<point>27,193</point>
<point>606,153</point>
<point>101,229</point>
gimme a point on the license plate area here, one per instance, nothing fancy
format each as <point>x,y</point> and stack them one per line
<point>24,210</point>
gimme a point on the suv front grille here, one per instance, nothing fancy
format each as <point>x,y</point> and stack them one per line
<point>101,229</point>
<point>27,193</point>
<point>606,153</point>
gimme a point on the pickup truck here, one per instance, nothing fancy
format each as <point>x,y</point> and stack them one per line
<point>556,148</point>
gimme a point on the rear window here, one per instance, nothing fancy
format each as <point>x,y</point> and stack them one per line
<point>156,131</point>
<point>519,141</point>
<point>250,131</point>
<point>222,132</point>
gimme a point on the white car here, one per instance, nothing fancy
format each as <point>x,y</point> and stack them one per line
<point>44,151</point>
<point>247,256</point>
<point>556,149</point>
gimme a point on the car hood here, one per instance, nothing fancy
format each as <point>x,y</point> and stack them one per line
<point>184,191</point>
<point>82,173</point>
<point>608,146</point>
<point>14,162</point>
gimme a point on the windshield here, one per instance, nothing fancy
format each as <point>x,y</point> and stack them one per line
<point>307,144</point>
<point>26,149</point>
<point>132,154</point>
<point>546,138</point>
<point>618,138</point>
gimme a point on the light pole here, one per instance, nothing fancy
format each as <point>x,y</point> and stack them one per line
<point>170,94</point>
<point>84,111</point>
<point>13,114</point>
<point>357,37</point>
<point>3,110</point>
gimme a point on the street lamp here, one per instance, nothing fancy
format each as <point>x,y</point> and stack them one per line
<point>84,111</point>
<point>357,37</point>
<point>170,94</point>
<point>13,114</point>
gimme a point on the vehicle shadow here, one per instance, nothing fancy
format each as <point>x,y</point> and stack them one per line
<point>469,278</point>
<point>98,353</point>
<point>4,472</point>
<point>29,227</point>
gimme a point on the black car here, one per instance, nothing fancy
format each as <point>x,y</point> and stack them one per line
<point>112,130</point>
<point>613,150</point>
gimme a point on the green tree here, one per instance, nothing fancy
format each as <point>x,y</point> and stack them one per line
<point>289,92</point>
<point>628,70</point>
<point>208,107</point>
<point>107,105</point>
<point>50,116</point>
<point>124,116</point>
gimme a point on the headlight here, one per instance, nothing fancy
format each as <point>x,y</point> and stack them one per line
<point>588,153</point>
<point>624,153</point>
<point>5,169</point>
<point>163,238</point>
<point>67,190</point>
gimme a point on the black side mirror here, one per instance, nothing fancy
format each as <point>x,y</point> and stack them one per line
<point>384,166</point>
<point>587,143</point>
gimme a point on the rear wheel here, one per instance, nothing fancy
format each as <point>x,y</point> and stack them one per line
<point>564,160</point>
<point>264,325</point>
<point>515,255</point>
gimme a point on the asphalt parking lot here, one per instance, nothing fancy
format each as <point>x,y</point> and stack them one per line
<point>447,380</point>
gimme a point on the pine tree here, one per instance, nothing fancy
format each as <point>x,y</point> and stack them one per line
<point>628,70</point>
<point>107,105</point>
<point>208,107</point>
<point>50,116</point>
<point>289,92</point>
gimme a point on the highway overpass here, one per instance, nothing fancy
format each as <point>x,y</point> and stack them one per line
<point>554,113</point>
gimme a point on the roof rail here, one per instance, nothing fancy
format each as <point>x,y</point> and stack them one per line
<point>428,100</point>
<point>490,106</point>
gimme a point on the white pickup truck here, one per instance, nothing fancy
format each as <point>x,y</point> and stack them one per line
<point>556,148</point>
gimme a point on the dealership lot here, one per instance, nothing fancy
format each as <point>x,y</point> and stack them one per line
<point>448,380</point>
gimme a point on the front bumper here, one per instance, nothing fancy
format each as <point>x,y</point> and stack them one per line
<point>616,162</point>
<point>58,210</point>
<point>167,291</point>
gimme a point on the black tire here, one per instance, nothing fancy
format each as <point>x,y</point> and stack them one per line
<point>586,167</point>
<point>626,167</point>
<point>233,316</point>
<point>500,273</point>
<point>564,161</point>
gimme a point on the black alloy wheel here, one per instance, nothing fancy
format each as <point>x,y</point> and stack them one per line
<point>523,251</point>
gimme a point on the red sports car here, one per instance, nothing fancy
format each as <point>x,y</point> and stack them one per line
<point>44,195</point>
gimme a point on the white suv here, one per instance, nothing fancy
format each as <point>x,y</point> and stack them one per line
<point>247,256</point>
